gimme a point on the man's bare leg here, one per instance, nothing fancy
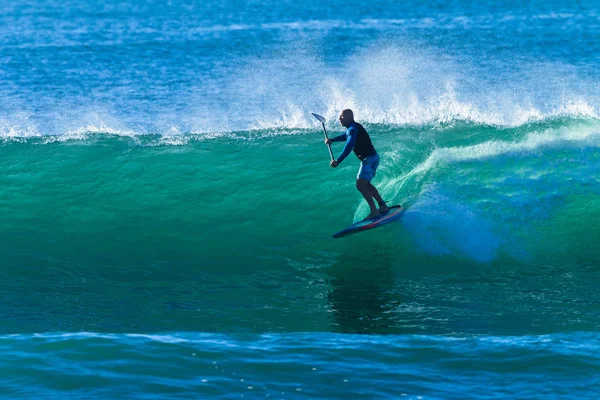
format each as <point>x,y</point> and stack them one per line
<point>382,206</point>
<point>364,187</point>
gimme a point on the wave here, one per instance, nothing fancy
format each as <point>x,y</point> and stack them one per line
<point>436,112</point>
<point>302,123</point>
<point>474,192</point>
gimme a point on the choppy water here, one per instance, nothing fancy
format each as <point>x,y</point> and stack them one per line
<point>167,205</point>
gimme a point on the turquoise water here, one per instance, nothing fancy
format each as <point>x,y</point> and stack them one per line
<point>167,203</point>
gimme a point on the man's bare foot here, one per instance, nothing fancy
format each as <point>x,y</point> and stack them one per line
<point>383,209</point>
<point>373,214</point>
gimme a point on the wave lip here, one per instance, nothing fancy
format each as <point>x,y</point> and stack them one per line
<point>564,125</point>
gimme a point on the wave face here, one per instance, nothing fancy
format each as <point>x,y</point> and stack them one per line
<point>164,188</point>
<point>186,225</point>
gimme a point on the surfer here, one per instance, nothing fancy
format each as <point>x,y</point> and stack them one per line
<point>357,139</point>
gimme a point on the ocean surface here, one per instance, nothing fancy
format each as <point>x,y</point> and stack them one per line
<point>167,204</point>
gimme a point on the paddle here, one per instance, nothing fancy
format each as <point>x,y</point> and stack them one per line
<point>322,120</point>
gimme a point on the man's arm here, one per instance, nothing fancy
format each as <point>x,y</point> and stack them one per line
<point>340,138</point>
<point>351,135</point>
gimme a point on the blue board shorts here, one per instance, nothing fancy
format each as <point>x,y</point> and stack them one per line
<point>368,167</point>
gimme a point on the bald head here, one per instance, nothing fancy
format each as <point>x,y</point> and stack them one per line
<point>346,117</point>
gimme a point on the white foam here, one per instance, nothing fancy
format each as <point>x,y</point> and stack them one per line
<point>17,125</point>
<point>582,134</point>
<point>386,83</point>
<point>409,85</point>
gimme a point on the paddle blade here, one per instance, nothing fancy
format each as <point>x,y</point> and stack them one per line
<point>320,118</point>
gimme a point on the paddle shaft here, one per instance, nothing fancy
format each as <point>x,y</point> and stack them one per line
<point>326,137</point>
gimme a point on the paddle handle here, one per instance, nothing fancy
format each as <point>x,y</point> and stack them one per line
<point>328,145</point>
